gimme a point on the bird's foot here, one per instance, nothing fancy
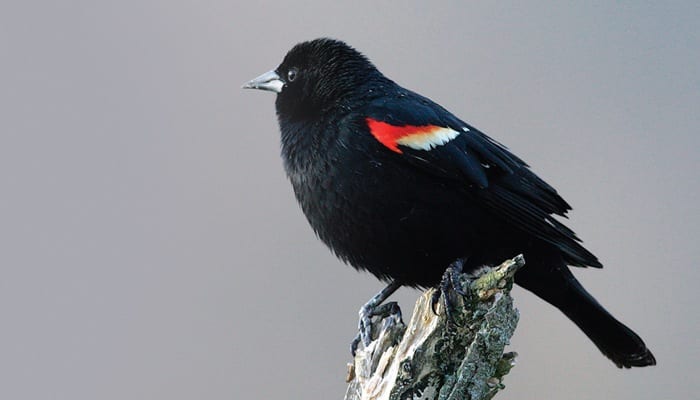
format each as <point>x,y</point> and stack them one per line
<point>364,334</point>
<point>451,284</point>
<point>375,308</point>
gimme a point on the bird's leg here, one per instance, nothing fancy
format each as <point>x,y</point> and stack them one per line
<point>373,308</point>
<point>449,283</point>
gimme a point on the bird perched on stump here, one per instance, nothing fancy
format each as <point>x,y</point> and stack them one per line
<point>398,186</point>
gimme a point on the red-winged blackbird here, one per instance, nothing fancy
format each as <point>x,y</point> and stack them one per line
<point>396,185</point>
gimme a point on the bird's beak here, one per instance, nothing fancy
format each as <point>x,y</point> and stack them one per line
<point>267,81</point>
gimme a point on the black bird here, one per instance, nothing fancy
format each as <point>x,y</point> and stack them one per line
<point>397,185</point>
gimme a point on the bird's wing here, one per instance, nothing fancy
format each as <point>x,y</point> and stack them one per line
<point>424,134</point>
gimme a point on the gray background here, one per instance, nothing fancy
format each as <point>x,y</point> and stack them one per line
<point>150,245</point>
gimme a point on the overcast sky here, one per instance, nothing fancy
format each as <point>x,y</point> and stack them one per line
<point>151,247</point>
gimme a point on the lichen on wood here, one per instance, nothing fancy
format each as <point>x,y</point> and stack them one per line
<point>434,357</point>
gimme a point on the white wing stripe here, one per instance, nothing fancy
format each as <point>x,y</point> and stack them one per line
<point>428,140</point>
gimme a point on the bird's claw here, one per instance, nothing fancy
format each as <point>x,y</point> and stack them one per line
<point>367,312</point>
<point>450,284</point>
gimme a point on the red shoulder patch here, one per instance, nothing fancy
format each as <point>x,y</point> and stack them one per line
<point>424,137</point>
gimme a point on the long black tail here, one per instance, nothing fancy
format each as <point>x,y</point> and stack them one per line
<point>559,287</point>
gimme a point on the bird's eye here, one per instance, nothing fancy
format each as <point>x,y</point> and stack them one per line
<point>292,74</point>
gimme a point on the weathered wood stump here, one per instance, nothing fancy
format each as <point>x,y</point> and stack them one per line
<point>441,358</point>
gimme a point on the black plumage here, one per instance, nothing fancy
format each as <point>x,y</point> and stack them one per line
<point>396,185</point>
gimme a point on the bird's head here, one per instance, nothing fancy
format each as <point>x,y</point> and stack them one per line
<point>315,76</point>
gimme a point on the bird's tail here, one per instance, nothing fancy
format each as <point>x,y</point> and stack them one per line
<point>559,287</point>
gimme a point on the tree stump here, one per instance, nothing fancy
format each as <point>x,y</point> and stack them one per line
<point>441,358</point>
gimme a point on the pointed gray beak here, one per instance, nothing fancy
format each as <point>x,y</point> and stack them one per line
<point>267,81</point>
